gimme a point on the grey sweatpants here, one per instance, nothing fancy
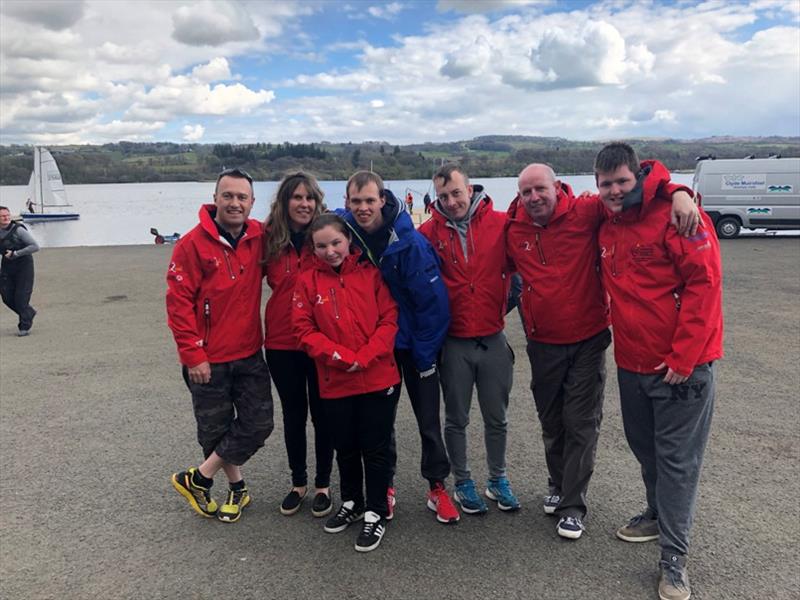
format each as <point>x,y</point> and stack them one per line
<point>667,428</point>
<point>488,365</point>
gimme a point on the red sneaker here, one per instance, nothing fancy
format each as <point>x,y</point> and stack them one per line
<point>390,502</point>
<point>439,502</point>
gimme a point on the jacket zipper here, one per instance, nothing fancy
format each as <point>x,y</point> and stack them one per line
<point>453,249</point>
<point>335,303</point>
<point>539,249</point>
<point>228,262</point>
<point>532,321</point>
<point>207,319</point>
<point>614,259</point>
<point>504,304</point>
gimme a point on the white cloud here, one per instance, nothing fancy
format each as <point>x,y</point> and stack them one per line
<point>386,11</point>
<point>193,133</point>
<point>51,14</point>
<point>214,70</point>
<point>215,23</point>
<point>480,6</point>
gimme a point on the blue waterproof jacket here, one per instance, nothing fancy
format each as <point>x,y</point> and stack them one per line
<point>410,268</point>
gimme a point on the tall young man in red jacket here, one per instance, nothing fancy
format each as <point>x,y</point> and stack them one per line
<point>214,311</point>
<point>467,234</point>
<point>551,238</point>
<point>666,310</point>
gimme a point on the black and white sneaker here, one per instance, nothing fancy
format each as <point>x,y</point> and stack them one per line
<point>344,517</point>
<point>372,533</point>
<point>551,503</point>
<point>570,528</point>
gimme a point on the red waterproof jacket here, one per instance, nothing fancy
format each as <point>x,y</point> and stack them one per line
<point>343,318</point>
<point>562,299</point>
<point>478,284</point>
<point>666,290</point>
<point>282,274</point>
<point>214,293</point>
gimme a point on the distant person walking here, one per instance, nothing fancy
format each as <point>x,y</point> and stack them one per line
<point>410,202</point>
<point>16,269</point>
<point>214,312</point>
<point>427,201</point>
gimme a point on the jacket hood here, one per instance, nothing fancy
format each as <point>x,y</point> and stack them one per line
<point>650,179</point>
<point>564,199</point>
<point>252,228</point>
<point>479,203</point>
<point>397,223</point>
<point>349,264</point>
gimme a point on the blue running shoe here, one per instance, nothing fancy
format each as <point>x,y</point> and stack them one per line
<point>466,495</point>
<point>499,490</point>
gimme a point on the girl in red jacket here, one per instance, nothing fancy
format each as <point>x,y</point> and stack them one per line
<point>346,320</point>
<point>286,253</point>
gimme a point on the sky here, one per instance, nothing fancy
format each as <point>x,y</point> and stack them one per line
<point>245,71</point>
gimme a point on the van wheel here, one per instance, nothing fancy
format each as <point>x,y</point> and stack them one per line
<point>728,228</point>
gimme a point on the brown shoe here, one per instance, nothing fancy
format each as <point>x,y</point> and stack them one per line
<point>673,583</point>
<point>641,528</point>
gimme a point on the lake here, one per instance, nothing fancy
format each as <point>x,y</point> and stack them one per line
<point>119,214</point>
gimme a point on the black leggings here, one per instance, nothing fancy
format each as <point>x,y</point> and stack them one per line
<point>296,381</point>
<point>362,431</point>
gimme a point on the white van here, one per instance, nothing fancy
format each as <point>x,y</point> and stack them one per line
<point>756,193</point>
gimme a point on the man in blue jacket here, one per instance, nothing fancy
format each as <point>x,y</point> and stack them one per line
<point>386,236</point>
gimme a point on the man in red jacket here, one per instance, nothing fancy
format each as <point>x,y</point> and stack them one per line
<point>214,311</point>
<point>551,237</point>
<point>467,234</point>
<point>666,310</point>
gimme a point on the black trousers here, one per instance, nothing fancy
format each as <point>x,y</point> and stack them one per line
<point>295,378</point>
<point>234,409</point>
<point>567,382</point>
<point>362,431</point>
<point>16,287</point>
<point>425,396</point>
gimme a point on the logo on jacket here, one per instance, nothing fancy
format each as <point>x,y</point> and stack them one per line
<point>526,245</point>
<point>320,299</point>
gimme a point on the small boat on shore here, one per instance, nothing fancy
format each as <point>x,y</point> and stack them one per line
<point>47,197</point>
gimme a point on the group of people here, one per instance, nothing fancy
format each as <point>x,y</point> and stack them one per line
<point>362,301</point>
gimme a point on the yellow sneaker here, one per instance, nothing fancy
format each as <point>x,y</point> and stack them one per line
<point>199,497</point>
<point>232,509</point>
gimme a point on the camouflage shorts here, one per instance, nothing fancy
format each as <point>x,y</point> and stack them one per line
<point>233,410</point>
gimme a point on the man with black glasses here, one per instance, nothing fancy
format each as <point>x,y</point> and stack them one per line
<point>214,312</point>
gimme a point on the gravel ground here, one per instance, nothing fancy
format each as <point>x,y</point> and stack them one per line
<point>94,418</point>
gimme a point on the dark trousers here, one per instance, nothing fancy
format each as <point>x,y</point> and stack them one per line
<point>234,409</point>
<point>425,397</point>
<point>362,430</point>
<point>295,378</point>
<point>667,429</point>
<point>16,287</point>
<point>567,384</point>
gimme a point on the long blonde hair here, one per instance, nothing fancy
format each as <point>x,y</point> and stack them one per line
<point>277,224</point>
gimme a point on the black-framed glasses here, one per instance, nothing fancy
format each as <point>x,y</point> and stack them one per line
<point>235,172</point>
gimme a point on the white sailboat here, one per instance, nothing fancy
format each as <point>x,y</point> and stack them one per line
<point>47,197</point>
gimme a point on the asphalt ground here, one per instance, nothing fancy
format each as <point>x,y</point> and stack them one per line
<point>94,418</point>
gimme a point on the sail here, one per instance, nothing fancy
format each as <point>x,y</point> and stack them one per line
<point>51,186</point>
<point>33,194</point>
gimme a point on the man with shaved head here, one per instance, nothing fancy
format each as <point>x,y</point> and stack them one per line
<point>551,237</point>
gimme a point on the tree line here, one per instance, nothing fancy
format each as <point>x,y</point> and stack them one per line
<point>486,156</point>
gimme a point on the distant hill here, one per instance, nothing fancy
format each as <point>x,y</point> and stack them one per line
<point>484,156</point>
